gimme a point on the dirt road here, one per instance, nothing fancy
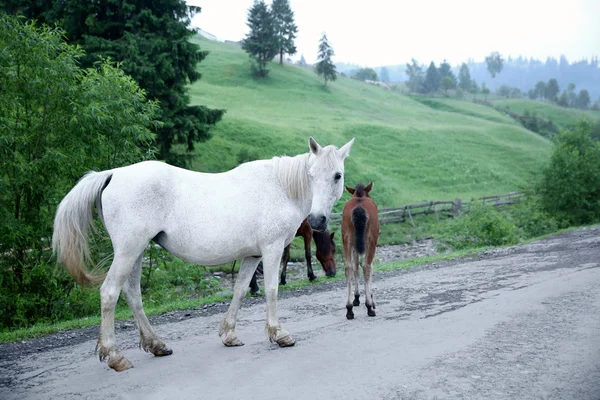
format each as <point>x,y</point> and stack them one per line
<point>519,323</point>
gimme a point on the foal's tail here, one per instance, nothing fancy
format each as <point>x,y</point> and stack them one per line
<point>359,220</point>
<point>72,223</point>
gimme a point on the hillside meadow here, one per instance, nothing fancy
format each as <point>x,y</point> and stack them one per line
<point>414,149</point>
<point>563,118</point>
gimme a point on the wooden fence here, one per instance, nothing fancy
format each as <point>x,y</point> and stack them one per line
<point>444,208</point>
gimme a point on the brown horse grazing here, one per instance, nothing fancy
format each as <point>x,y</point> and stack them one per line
<point>325,254</point>
<point>360,231</point>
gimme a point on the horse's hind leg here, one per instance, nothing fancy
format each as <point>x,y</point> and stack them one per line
<point>349,271</point>
<point>149,341</point>
<point>368,275</point>
<point>227,329</point>
<point>355,268</point>
<point>120,270</point>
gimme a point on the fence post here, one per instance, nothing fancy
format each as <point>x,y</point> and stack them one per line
<point>457,207</point>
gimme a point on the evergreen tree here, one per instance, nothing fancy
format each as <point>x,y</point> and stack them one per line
<point>474,89</point>
<point>325,66</point>
<point>285,27</point>
<point>446,70</point>
<point>302,61</point>
<point>563,100</point>
<point>583,99</point>
<point>464,77</point>
<point>432,79</point>
<point>572,95</point>
<point>151,40</point>
<point>494,62</point>
<point>551,90</point>
<point>540,89</point>
<point>415,77</point>
<point>261,43</point>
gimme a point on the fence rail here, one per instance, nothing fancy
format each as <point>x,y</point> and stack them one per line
<point>445,208</point>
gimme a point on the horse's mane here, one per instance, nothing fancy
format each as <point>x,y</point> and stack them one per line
<point>293,171</point>
<point>360,190</point>
<point>293,174</point>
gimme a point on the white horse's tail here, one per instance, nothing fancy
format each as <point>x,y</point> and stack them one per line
<point>72,224</point>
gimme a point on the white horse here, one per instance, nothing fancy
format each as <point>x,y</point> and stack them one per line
<point>250,212</point>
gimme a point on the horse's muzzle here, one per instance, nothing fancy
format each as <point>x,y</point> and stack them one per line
<point>317,223</point>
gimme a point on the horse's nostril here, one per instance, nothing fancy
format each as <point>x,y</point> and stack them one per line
<point>323,219</point>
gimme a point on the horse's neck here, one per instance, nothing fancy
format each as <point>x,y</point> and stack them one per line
<point>292,173</point>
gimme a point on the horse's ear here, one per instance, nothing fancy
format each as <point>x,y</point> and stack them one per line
<point>345,150</point>
<point>314,147</point>
<point>369,187</point>
<point>350,190</point>
<point>332,233</point>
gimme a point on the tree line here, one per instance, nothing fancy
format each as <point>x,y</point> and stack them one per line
<point>272,32</point>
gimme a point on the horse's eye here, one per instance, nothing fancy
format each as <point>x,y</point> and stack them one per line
<point>337,176</point>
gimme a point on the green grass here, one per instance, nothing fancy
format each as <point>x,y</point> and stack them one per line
<point>563,118</point>
<point>413,151</point>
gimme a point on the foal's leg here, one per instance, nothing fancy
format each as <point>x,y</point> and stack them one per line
<point>120,270</point>
<point>286,259</point>
<point>348,271</point>
<point>368,274</point>
<point>309,269</point>
<point>355,267</point>
<point>271,259</point>
<point>227,329</point>
<point>149,340</point>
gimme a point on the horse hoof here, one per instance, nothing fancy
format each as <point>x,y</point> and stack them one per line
<point>370,312</point>
<point>286,341</point>
<point>233,342</point>
<point>120,364</point>
<point>162,352</point>
<point>283,282</point>
<point>312,277</point>
<point>349,312</point>
<point>356,301</point>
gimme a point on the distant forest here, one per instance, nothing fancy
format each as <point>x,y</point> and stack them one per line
<point>518,72</point>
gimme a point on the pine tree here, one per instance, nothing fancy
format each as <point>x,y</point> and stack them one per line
<point>285,27</point>
<point>464,78</point>
<point>261,41</point>
<point>325,66</point>
<point>415,77</point>
<point>151,40</point>
<point>432,79</point>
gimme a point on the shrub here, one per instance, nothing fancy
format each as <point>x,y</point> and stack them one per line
<point>482,226</point>
<point>531,219</point>
<point>569,188</point>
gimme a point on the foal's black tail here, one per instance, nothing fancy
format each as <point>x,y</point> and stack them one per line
<point>359,219</point>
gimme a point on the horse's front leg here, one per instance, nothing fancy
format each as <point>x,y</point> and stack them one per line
<point>309,268</point>
<point>227,329</point>
<point>271,259</point>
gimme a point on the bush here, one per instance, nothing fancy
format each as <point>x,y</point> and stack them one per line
<point>569,188</point>
<point>531,219</point>
<point>482,226</point>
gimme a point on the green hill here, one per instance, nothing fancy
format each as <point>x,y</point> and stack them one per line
<point>563,118</point>
<point>414,149</point>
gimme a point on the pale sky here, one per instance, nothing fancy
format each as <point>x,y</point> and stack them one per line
<point>389,32</point>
